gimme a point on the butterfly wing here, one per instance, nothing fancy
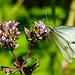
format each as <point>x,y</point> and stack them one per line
<point>67,32</point>
<point>64,39</point>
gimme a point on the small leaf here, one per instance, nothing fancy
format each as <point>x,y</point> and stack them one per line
<point>30,61</point>
<point>30,66</point>
<point>1,68</point>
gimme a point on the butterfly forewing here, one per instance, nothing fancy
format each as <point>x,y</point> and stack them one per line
<point>64,37</point>
<point>63,46</point>
<point>67,32</point>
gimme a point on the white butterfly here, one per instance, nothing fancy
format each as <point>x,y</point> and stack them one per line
<point>64,37</point>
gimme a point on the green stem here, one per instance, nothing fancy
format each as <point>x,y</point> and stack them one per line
<point>22,72</point>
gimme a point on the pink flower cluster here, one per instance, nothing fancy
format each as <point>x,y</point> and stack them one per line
<point>39,32</point>
<point>9,34</point>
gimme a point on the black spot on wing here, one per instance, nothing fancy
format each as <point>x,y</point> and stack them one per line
<point>73,42</point>
<point>66,47</point>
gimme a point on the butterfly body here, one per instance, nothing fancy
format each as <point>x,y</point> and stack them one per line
<point>64,37</point>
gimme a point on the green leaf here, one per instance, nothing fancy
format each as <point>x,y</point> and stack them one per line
<point>30,65</point>
<point>30,61</point>
<point>1,68</point>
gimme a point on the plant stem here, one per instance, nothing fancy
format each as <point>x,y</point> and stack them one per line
<point>26,58</point>
<point>14,68</point>
<point>22,72</point>
<point>10,67</point>
<point>16,58</point>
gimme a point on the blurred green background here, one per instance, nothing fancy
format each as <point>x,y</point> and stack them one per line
<point>59,12</point>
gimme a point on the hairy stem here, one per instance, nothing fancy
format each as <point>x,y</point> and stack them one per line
<point>16,58</point>
<point>26,58</point>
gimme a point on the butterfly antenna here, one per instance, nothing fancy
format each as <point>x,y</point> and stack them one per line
<point>53,10</point>
<point>46,15</point>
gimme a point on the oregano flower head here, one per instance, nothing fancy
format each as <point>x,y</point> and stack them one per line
<point>9,34</point>
<point>39,32</point>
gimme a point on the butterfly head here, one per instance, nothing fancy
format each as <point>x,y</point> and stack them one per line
<point>49,28</point>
